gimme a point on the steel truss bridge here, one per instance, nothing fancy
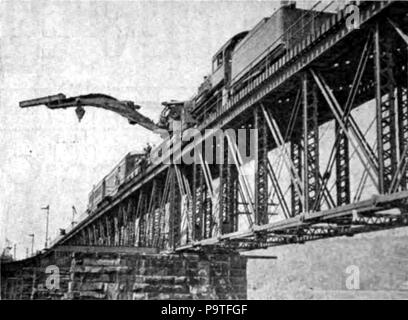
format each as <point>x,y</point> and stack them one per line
<point>318,85</point>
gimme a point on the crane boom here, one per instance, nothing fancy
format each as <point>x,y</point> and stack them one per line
<point>125,108</point>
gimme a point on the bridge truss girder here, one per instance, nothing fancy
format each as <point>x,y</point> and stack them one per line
<point>217,205</point>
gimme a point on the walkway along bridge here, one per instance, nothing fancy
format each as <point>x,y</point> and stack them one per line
<point>324,79</point>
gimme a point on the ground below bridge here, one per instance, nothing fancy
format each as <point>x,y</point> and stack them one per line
<point>366,266</point>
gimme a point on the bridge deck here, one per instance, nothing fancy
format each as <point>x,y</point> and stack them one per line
<point>331,59</point>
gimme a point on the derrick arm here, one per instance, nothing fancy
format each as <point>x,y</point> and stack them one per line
<point>126,109</point>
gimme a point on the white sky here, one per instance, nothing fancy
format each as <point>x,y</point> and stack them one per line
<point>143,51</point>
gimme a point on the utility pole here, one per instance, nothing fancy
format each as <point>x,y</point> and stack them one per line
<point>32,243</point>
<point>74,212</point>
<point>46,225</point>
<point>15,251</point>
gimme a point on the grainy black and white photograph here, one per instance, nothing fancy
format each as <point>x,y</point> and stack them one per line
<point>203,150</point>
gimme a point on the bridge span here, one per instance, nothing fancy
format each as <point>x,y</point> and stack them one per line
<point>337,80</point>
<point>328,124</point>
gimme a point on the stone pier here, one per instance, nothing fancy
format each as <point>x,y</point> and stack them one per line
<point>106,274</point>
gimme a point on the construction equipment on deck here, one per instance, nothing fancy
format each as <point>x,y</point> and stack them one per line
<point>125,108</point>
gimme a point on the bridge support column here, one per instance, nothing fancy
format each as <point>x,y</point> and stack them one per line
<point>296,148</point>
<point>386,116</point>
<point>155,212</point>
<point>175,212</point>
<point>208,220</point>
<point>203,194</point>
<point>199,196</point>
<point>141,215</point>
<point>261,168</point>
<point>311,169</point>
<point>228,210</point>
<point>342,168</point>
<point>400,73</point>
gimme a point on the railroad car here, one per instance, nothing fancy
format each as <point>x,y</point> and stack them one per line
<point>221,61</point>
<point>247,53</point>
<point>111,183</point>
<point>272,36</point>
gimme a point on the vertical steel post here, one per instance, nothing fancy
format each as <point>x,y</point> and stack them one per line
<point>403,115</point>
<point>228,211</point>
<point>223,190</point>
<point>342,168</point>
<point>201,200</point>
<point>108,231</point>
<point>47,208</point>
<point>175,212</point>
<point>296,158</point>
<point>311,170</point>
<point>194,204</point>
<point>305,143</point>
<point>385,107</point>
<point>261,168</point>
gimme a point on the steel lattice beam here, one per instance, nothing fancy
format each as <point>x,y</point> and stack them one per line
<point>296,148</point>
<point>261,168</point>
<point>385,102</point>
<point>175,212</point>
<point>311,176</point>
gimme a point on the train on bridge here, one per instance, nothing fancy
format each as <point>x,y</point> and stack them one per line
<point>232,66</point>
<point>293,73</point>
